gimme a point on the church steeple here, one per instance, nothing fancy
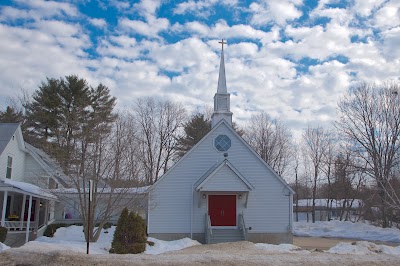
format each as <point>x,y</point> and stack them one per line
<point>222,97</point>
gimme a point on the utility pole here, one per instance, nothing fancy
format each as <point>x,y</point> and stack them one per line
<point>88,219</point>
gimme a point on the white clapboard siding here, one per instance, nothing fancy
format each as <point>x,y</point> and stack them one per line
<point>14,149</point>
<point>172,198</point>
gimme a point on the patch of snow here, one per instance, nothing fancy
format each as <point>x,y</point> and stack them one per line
<point>345,229</point>
<point>161,246</point>
<point>281,248</point>
<point>72,239</point>
<point>3,247</point>
<point>363,248</point>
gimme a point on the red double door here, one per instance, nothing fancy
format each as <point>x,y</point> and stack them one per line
<point>222,210</point>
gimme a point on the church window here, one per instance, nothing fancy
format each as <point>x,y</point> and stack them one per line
<point>222,143</point>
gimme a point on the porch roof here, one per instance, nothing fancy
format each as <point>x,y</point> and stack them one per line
<point>25,188</point>
<point>208,176</point>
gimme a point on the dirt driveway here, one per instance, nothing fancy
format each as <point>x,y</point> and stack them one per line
<point>237,253</point>
<point>323,243</point>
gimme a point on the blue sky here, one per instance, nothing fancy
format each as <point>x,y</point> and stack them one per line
<point>291,58</point>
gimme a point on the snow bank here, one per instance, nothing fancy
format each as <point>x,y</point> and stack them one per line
<point>3,247</point>
<point>282,248</point>
<point>72,239</point>
<point>363,248</point>
<point>341,229</point>
<point>161,246</point>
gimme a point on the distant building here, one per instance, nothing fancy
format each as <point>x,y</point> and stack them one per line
<point>221,190</point>
<point>325,210</point>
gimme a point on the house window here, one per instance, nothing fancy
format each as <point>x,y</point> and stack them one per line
<point>222,143</point>
<point>9,167</point>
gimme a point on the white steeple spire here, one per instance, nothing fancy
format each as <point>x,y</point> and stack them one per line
<point>222,97</point>
<point>221,77</point>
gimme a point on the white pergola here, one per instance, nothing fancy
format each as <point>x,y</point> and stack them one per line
<point>9,187</point>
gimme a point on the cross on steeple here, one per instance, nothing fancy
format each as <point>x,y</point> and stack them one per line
<point>222,42</point>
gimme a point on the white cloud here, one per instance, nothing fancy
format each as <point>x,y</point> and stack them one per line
<point>148,8</point>
<point>388,16</point>
<point>122,46</point>
<point>202,7</point>
<point>46,9</point>
<point>98,22</point>
<point>365,7</point>
<point>275,11</point>
<point>222,30</point>
<point>151,28</point>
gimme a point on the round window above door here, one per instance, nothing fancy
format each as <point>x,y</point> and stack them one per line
<point>222,143</point>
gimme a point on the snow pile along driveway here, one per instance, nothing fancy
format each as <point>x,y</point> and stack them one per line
<point>363,248</point>
<point>3,247</point>
<point>346,230</point>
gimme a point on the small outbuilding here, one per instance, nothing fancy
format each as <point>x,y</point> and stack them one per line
<point>221,190</point>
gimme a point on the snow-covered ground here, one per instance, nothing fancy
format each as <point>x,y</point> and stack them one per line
<point>71,239</point>
<point>340,229</point>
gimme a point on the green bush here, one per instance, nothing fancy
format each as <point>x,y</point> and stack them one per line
<point>3,234</point>
<point>130,234</point>
<point>52,228</point>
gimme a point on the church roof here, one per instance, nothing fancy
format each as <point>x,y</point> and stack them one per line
<point>214,169</point>
<point>7,130</point>
<point>241,139</point>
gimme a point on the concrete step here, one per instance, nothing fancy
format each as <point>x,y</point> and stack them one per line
<point>226,235</point>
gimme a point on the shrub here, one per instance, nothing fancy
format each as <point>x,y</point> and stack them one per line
<point>107,225</point>
<point>3,234</point>
<point>52,228</point>
<point>130,234</point>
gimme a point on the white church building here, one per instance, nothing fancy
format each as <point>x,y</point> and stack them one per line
<point>221,190</point>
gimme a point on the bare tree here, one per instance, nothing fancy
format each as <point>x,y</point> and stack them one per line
<point>159,123</point>
<point>316,141</point>
<point>370,116</point>
<point>271,140</point>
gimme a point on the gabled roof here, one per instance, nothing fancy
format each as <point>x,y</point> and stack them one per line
<point>213,170</point>
<point>241,139</point>
<point>7,130</point>
<point>48,164</point>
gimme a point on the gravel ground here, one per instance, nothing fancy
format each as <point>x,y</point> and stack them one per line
<point>239,253</point>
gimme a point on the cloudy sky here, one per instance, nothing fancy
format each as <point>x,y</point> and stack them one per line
<point>291,58</point>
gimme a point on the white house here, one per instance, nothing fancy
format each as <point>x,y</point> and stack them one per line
<point>25,175</point>
<point>221,190</point>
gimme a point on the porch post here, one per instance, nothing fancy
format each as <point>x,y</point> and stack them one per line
<point>28,222</point>
<point>46,212</point>
<point>21,218</point>
<point>3,213</point>
<point>37,213</point>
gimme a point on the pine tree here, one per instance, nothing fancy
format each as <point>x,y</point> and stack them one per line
<point>195,129</point>
<point>71,121</point>
<point>130,234</point>
<point>10,115</point>
<point>120,240</point>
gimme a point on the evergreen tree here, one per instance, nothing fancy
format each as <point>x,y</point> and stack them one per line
<point>71,121</point>
<point>10,115</point>
<point>130,234</point>
<point>195,129</point>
